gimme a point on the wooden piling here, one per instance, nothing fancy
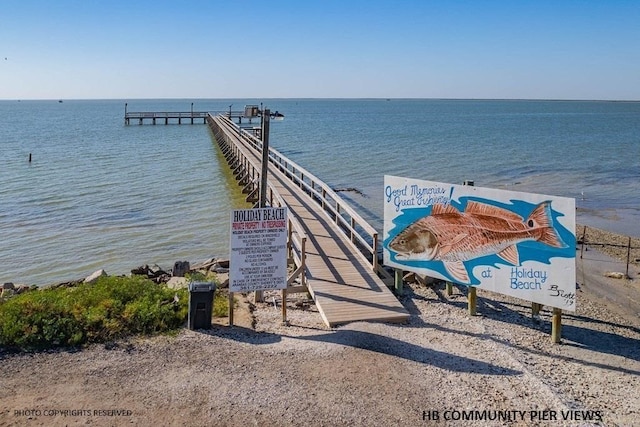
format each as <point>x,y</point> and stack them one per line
<point>584,235</point>
<point>628,257</point>
<point>284,307</point>
<point>535,309</point>
<point>398,282</point>
<point>230,308</point>
<point>471,300</point>
<point>556,326</point>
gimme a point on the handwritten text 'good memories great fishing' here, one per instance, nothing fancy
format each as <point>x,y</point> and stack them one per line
<point>414,195</point>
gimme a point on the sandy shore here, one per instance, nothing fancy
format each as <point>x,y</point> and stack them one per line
<point>437,369</point>
<point>612,244</point>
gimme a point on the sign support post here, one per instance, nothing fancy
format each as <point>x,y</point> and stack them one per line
<point>471,300</point>
<point>556,325</point>
<point>398,282</point>
<point>535,309</point>
<point>284,307</point>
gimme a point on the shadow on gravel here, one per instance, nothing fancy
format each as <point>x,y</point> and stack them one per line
<point>240,334</point>
<point>393,347</point>
<point>11,352</point>
<point>371,342</point>
<point>577,335</point>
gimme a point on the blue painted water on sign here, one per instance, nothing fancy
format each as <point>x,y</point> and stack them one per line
<point>528,249</point>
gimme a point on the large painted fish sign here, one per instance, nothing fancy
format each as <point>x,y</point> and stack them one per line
<point>452,237</point>
<point>508,242</point>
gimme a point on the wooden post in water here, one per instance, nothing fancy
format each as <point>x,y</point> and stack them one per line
<point>556,326</point>
<point>628,252</point>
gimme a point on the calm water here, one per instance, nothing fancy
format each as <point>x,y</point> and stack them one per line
<point>99,194</point>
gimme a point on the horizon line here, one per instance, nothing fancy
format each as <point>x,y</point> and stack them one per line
<point>327,98</point>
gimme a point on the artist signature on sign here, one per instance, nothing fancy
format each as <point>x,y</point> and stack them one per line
<point>568,297</point>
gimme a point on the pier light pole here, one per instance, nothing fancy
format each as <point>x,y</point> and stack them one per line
<point>265,158</point>
<point>258,295</point>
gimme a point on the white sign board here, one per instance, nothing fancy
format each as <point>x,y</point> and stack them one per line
<point>258,259</point>
<point>518,244</point>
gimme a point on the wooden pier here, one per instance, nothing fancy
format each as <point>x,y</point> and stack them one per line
<point>335,250</point>
<point>180,117</point>
<point>166,117</point>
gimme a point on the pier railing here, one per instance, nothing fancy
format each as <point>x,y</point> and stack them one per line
<point>154,116</point>
<point>170,114</point>
<point>361,234</point>
<point>296,243</point>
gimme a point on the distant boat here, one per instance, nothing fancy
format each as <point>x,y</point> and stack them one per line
<point>277,116</point>
<point>60,101</point>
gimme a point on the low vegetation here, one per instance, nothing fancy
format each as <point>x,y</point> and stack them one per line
<point>111,308</point>
<point>220,299</point>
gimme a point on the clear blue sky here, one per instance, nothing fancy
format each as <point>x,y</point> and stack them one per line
<point>87,49</point>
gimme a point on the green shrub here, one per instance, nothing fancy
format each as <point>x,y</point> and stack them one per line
<point>220,304</point>
<point>111,308</point>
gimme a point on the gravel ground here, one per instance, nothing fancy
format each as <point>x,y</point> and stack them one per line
<point>439,368</point>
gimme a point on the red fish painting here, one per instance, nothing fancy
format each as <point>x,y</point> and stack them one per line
<point>453,237</point>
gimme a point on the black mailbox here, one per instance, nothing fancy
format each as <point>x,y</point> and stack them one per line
<point>200,304</point>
